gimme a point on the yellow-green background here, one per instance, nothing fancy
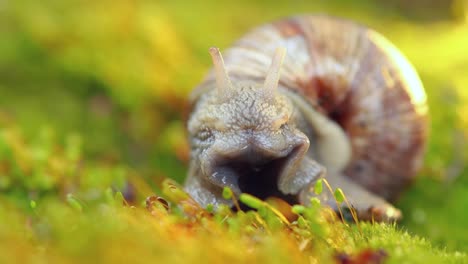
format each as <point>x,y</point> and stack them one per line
<point>92,94</point>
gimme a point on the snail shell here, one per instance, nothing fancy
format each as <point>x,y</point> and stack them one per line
<point>354,77</point>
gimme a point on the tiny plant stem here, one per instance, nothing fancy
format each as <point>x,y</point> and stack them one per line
<point>351,209</point>
<point>354,214</point>
<point>337,203</point>
<point>249,201</point>
<point>236,203</point>
<point>262,222</point>
<point>229,194</point>
<point>278,214</point>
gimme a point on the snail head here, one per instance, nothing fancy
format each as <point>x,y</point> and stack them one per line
<point>242,133</point>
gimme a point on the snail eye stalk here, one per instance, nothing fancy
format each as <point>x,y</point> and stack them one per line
<point>273,76</point>
<point>223,83</point>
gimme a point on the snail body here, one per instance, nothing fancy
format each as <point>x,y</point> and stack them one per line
<point>337,100</point>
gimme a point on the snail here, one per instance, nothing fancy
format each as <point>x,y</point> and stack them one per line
<point>303,98</point>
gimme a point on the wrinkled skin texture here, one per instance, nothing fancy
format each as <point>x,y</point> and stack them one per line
<point>243,137</point>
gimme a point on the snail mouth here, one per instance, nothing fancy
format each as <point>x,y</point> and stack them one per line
<point>256,176</point>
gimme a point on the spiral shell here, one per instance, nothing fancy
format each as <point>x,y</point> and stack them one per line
<point>354,76</point>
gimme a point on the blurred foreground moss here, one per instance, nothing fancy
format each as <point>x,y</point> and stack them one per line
<point>55,231</point>
<point>95,212</point>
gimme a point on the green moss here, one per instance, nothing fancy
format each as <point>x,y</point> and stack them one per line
<point>91,110</point>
